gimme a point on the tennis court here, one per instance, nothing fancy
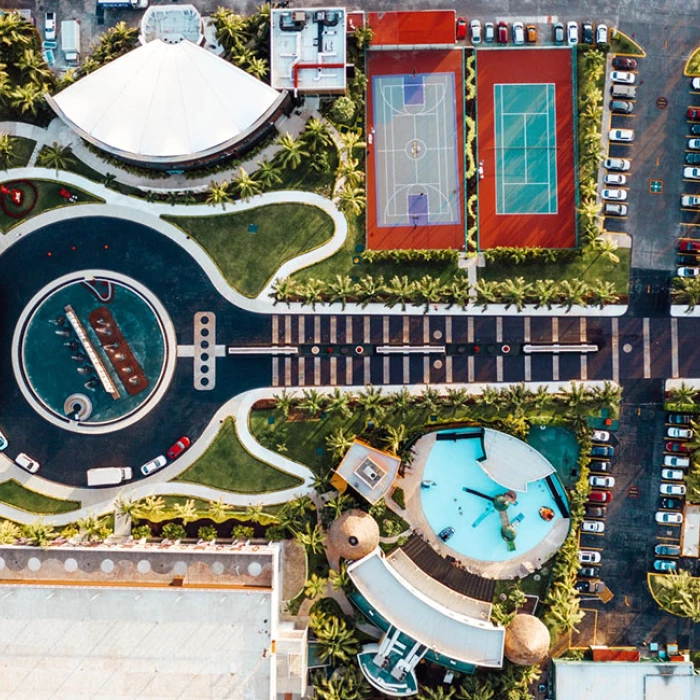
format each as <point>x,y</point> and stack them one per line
<point>526,144</point>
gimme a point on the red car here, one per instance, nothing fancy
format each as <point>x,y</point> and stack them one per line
<point>178,448</point>
<point>688,245</point>
<point>622,63</point>
<point>600,497</point>
<point>694,114</point>
<point>677,447</point>
<point>461,30</point>
<point>502,33</point>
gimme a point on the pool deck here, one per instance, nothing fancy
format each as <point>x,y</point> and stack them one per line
<point>518,567</point>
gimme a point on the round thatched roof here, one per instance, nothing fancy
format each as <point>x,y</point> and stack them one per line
<point>354,534</point>
<point>527,640</point>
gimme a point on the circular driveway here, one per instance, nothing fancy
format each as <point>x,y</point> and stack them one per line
<point>182,287</point>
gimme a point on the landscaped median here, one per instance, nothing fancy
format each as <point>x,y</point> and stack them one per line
<point>12,493</point>
<point>250,246</point>
<point>676,593</point>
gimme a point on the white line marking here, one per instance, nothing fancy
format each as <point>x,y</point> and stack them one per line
<point>584,357</point>
<point>647,348</point>
<point>334,371</point>
<point>470,359</point>
<point>528,358</point>
<point>555,358</point>
<point>406,370</point>
<point>674,348</point>
<point>616,350</point>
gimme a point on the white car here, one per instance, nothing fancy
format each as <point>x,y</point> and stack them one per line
<point>695,84</point>
<point>592,526</point>
<point>154,465</point>
<point>3,441</point>
<point>571,33</point>
<point>690,200</point>
<point>688,272</point>
<point>26,462</point>
<point>475,30</point>
<point>694,144</point>
<point>672,489</point>
<point>617,164</point>
<point>600,436</point>
<point>589,557</point>
<point>622,135</point>
<point>670,518</point>
<point>604,482</point>
<point>601,34</point>
<point>50,26</point>
<point>673,461</point>
<point>614,179</point>
<point>518,33</point>
<point>622,76</point>
<point>672,474</point>
<point>691,173</point>
<point>683,433</point>
<point>616,195</point>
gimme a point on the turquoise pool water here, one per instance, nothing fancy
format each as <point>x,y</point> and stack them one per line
<point>453,465</point>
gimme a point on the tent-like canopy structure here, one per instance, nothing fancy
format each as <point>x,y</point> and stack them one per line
<point>167,104</point>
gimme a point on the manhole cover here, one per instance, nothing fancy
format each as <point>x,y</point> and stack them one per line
<point>656,186</point>
<point>662,103</point>
<point>627,347</point>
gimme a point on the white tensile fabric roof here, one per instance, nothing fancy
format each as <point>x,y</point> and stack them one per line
<point>165,100</point>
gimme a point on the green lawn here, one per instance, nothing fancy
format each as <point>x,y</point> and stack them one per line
<point>47,198</point>
<point>226,465</point>
<point>310,180</point>
<point>623,44</point>
<point>14,494</point>
<point>248,260</point>
<point>23,151</point>
<point>588,267</point>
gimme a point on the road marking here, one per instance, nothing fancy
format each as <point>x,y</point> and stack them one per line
<point>426,330</point>
<point>528,358</point>
<point>406,370</point>
<point>275,329</point>
<point>348,335</point>
<point>584,357</point>
<point>448,369</point>
<point>647,349</point>
<point>317,329</point>
<point>555,358</point>
<point>317,370</point>
<point>499,358</point>
<point>301,371</point>
<point>406,331</point>
<point>348,371</point>
<point>674,348</point>
<point>367,375</point>
<point>385,329</point>
<point>334,329</point>
<point>386,377</point>
<point>275,371</point>
<point>301,330</point>
<point>616,350</point>
<point>334,371</point>
<point>287,371</point>
<point>470,359</point>
<point>288,330</point>
<point>368,335</point>
<point>448,329</point>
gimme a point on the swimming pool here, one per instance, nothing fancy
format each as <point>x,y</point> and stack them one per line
<point>453,466</point>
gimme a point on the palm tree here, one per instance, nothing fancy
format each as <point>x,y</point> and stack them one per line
<point>484,690</point>
<point>27,98</point>
<point>285,402</point>
<point>339,442</point>
<point>603,293</point>
<point>370,289</point>
<point>219,193</point>
<point>340,289</point>
<point>515,292</point>
<point>245,185</point>
<point>230,29</point>
<point>686,291</point>
<point>258,67</point>
<point>351,140</point>
<point>489,396</point>
<point>457,398</point>
<point>312,291</point>
<point>151,507</point>
<point>430,290</point>
<point>396,436</point>
<point>371,401</point>
<point>486,292</point>
<point>292,151</point>
<point>401,401</point>
<point>55,156</point>
<point>401,290</point>
<point>350,685</point>
<point>267,173</point>
<point>683,395</point>
<point>187,511</point>
<point>545,292</point>
<point>589,188</point>
<point>340,580</point>
<point>459,291</point>
<point>316,134</point>
<point>217,510</point>
<point>363,36</point>
<point>339,403</point>
<point>127,507</point>
<point>352,199</point>
<point>336,641</point>
<point>34,64</point>
<point>606,248</point>
<point>91,528</point>
<point>349,171</point>
<point>285,290</point>
<point>38,533</point>
<point>7,150</point>
<point>255,513</point>
<point>338,505</point>
<point>315,586</point>
<point>430,399</point>
<point>9,532</point>
<point>573,293</point>
<point>437,693</point>
<point>312,402</point>
<point>301,505</point>
<point>311,539</point>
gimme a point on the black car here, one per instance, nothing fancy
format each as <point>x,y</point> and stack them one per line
<point>589,586</point>
<point>589,571</point>
<point>695,129</point>
<point>679,418</point>
<point>587,33</point>
<point>692,158</point>
<point>690,260</point>
<point>595,511</point>
<point>596,466</point>
<point>672,503</point>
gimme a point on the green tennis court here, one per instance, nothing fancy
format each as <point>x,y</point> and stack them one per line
<point>526,148</point>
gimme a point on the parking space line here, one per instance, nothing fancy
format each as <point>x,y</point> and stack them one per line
<point>584,358</point>
<point>385,329</point>
<point>406,331</point>
<point>334,329</point>
<point>317,329</point>
<point>448,369</point>
<point>674,348</point>
<point>348,332</point>
<point>470,359</point>
<point>555,358</point>
<point>426,330</point>
<point>647,348</point>
<point>275,329</point>
<point>301,330</point>
<point>288,330</point>
<point>406,370</point>
<point>317,369</point>
<point>334,371</point>
<point>528,358</point>
<point>426,369</point>
<point>301,371</point>
<point>287,371</point>
<point>367,333</point>
<point>275,371</point>
<point>616,349</point>
<point>499,358</point>
<point>448,329</point>
<point>386,378</point>
<point>367,379</point>
<point>348,371</point>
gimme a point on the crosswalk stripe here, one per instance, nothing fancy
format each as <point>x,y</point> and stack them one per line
<point>615,349</point>
<point>674,349</point>
<point>647,348</point>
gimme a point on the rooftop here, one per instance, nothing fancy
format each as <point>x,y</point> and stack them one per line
<point>171,24</point>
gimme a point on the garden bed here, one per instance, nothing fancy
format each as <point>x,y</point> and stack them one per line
<point>14,494</point>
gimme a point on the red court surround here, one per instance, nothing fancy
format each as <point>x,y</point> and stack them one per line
<point>527,230</point>
<point>411,28</point>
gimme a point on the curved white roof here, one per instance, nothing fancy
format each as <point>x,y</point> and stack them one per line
<point>166,102</point>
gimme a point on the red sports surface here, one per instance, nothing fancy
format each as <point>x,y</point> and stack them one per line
<point>434,236</point>
<point>410,28</point>
<point>506,66</point>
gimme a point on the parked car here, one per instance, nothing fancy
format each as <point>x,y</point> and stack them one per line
<point>626,92</point>
<point>682,433</point>
<point>680,418</point>
<point>685,260</point>
<point>592,526</point>
<point>601,34</point>
<point>518,33</point>
<point>621,135</point>
<point>179,447</point>
<point>50,26</point>
<point>571,33</point>
<point>26,462</point>
<point>531,34</point>
<point>690,200</point>
<point>589,586</point>
<point>600,436</point>
<point>693,113</point>
<point>674,461</point>
<point>621,107</point>
<point>665,517</point>
<point>694,144</point>
<point>586,556</point>
<point>558,33</point>
<point>672,474</point>
<point>475,31</point>
<point>677,447</point>
<point>624,63</point>
<point>587,33</point>
<point>614,194</point>
<point>461,28</point>
<point>617,164</point>
<point>589,571</point>
<point>695,129</point>
<point>665,565</point>
<point>502,33</point>
<point>691,173</point>
<point>615,209</point>
<point>592,511</point>
<point>692,158</point>
<point>688,272</point>
<point>603,496</point>
<point>489,32</point>
<point>695,84</point>
<point>154,465</point>
<point>3,441</point>
<point>672,489</point>
<point>685,245</point>
<point>596,466</point>
<point>614,179</point>
<point>603,482</point>
<point>672,503</point>
<point>622,77</point>
<point>667,550</point>
<point>602,451</point>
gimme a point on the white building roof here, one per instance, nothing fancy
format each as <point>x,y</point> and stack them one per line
<point>443,630</point>
<point>166,102</point>
<point>171,23</point>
